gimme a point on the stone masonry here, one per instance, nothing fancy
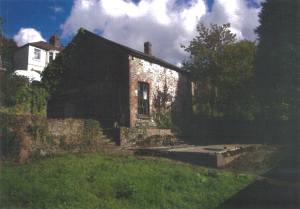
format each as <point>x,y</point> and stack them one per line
<point>156,76</point>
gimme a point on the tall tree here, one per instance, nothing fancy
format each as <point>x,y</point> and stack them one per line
<point>278,59</point>
<point>222,70</point>
<point>7,49</point>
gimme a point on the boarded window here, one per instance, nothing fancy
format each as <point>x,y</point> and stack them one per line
<point>143,98</point>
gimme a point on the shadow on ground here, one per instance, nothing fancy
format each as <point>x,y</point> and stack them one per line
<point>276,189</point>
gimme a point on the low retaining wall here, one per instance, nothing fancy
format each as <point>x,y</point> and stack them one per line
<point>199,155</point>
<point>23,137</point>
<point>146,137</point>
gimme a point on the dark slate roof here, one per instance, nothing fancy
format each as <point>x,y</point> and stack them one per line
<point>134,52</point>
<point>43,45</point>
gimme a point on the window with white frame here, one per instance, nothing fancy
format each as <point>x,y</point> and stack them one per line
<point>51,56</point>
<point>37,54</point>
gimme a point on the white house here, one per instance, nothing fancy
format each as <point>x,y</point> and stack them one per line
<point>32,58</point>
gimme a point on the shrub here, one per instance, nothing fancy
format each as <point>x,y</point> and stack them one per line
<point>162,111</point>
<point>20,96</point>
<point>10,144</point>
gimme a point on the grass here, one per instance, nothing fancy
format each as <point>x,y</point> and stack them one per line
<point>89,181</point>
<point>260,160</point>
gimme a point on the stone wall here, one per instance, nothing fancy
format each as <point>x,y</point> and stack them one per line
<point>157,76</point>
<point>142,136</point>
<point>25,137</point>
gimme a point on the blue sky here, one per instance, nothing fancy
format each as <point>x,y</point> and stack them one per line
<point>172,21</point>
<point>43,15</point>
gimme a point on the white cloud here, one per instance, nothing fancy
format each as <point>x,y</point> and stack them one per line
<point>57,9</point>
<point>243,19</point>
<point>27,35</point>
<point>191,16</point>
<point>163,22</point>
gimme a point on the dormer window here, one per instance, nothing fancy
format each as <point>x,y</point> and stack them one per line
<point>37,54</point>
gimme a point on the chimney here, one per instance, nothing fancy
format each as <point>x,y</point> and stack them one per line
<point>54,40</point>
<point>147,48</point>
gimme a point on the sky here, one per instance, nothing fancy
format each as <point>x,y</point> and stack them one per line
<point>167,24</point>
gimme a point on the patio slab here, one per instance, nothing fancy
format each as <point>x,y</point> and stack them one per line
<point>212,155</point>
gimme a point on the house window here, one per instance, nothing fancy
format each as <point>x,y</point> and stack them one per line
<point>37,54</point>
<point>143,98</point>
<point>51,56</point>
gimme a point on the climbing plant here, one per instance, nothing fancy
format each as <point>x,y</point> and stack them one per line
<point>162,108</point>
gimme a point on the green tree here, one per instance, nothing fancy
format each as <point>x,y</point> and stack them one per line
<point>237,96</point>
<point>222,71</point>
<point>278,59</point>
<point>7,49</point>
<point>18,95</point>
<point>53,73</point>
<point>64,63</point>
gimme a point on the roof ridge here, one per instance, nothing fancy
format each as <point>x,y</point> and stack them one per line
<point>133,51</point>
<point>45,45</point>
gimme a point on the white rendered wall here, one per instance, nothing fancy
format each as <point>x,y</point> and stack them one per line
<point>39,64</point>
<point>26,65</point>
<point>36,64</point>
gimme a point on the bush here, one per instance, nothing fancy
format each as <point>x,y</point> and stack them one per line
<point>162,108</point>
<point>19,96</point>
<point>11,145</point>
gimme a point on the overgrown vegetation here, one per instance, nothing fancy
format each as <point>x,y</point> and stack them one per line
<point>7,49</point>
<point>19,96</point>
<point>115,182</point>
<point>277,60</point>
<point>162,108</point>
<point>64,64</point>
<point>10,146</point>
<point>259,160</point>
<point>237,81</point>
<point>222,70</point>
<point>39,137</point>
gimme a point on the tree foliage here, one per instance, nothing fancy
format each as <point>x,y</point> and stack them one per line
<point>278,59</point>
<point>7,49</point>
<point>222,71</point>
<point>53,73</point>
<point>64,63</point>
<point>19,96</point>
